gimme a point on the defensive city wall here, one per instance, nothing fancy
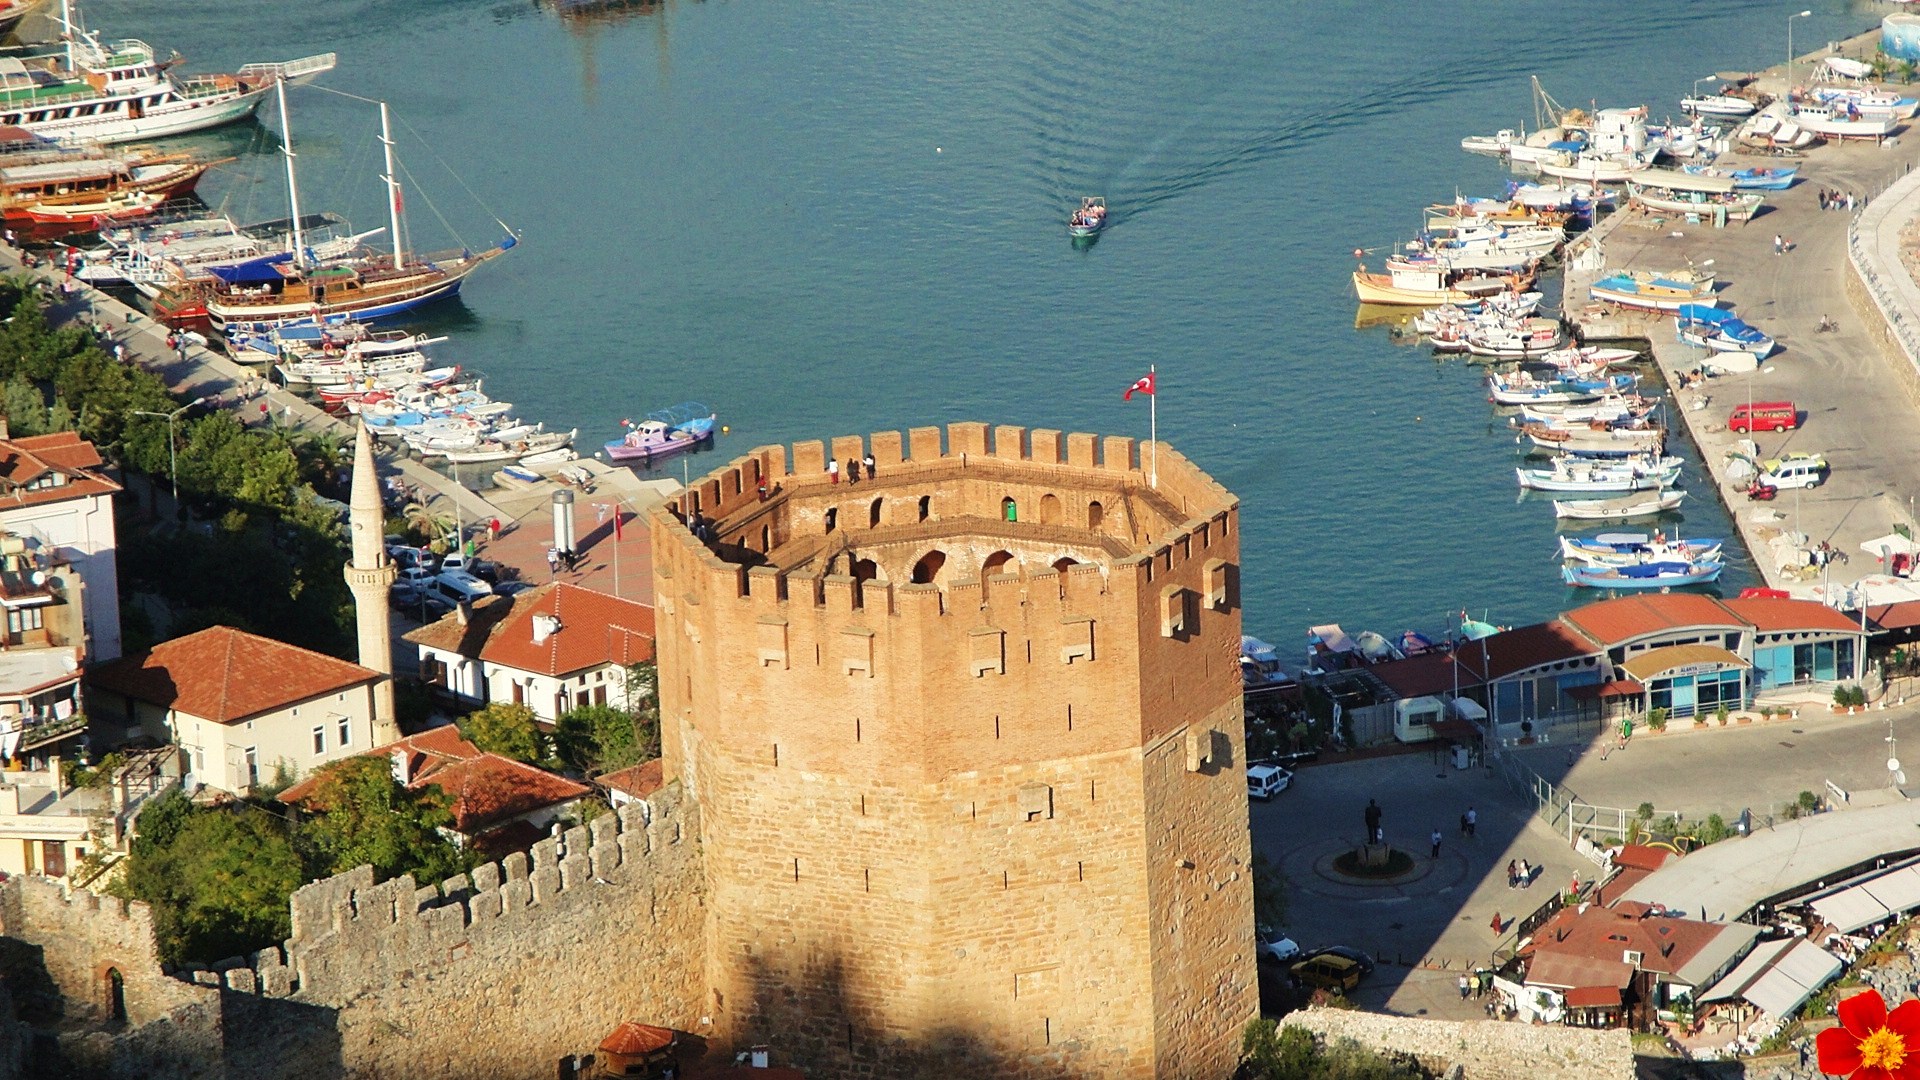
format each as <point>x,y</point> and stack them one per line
<point>498,973</point>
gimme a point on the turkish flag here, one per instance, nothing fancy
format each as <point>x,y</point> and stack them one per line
<point>1143,386</point>
<point>617,533</point>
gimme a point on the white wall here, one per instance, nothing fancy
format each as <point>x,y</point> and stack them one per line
<point>542,693</point>
<point>82,530</point>
<point>217,752</point>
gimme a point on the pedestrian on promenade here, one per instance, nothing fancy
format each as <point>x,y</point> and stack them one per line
<point>119,352</point>
<point>1497,924</point>
<point>853,471</point>
<point>1823,199</point>
<point>1779,244</point>
<point>493,528</point>
<point>1436,841</point>
<point>1472,819</point>
<point>1465,987</point>
<point>868,462</point>
<point>1513,874</point>
<point>1526,875</point>
<point>833,471</point>
<point>1849,200</point>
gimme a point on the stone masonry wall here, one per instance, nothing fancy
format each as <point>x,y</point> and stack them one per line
<point>1484,1049</point>
<point>499,973</point>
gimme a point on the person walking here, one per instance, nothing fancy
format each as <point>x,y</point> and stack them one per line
<point>868,462</point>
<point>1513,874</point>
<point>833,471</point>
<point>553,561</point>
<point>493,529</point>
<point>1466,986</point>
<point>1526,875</point>
<point>1436,841</point>
<point>1779,244</point>
<point>853,471</point>
<point>1472,818</point>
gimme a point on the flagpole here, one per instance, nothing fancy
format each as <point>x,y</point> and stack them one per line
<point>1153,429</point>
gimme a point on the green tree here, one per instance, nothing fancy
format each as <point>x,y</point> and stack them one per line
<point>364,816</point>
<point>1270,906</point>
<point>25,407</point>
<point>506,729</point>
<point>597,738</point>
<point>1270,1051</point>
<point>217,879</point>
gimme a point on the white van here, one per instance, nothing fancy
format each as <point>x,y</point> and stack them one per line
<point>1265,781</point>
<point>459,587</point>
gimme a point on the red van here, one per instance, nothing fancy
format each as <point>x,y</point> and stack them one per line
<point>1764,416</point>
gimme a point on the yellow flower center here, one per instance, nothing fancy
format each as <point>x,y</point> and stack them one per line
<point>1883,1049</point>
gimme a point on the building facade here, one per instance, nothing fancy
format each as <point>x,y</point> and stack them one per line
<point>56,497</point>
<point>967,741</point>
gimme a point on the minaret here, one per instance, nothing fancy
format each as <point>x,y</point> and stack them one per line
<point>370,575</point>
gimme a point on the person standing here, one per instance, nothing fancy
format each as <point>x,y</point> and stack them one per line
<point>553,561</point>
<point>1779,244</point>
<point>493,529</point>
<point>1436,841</point>
<point>868,462</point>
<point>853,471</point>
<point>833,470</point>
<point>1465,987</point>
<point>1526,875</point>
<point>1472,818</point>
<point>1513,874</point>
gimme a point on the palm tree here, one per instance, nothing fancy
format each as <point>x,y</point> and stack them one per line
<point>426,524</point>
<point>1907,70</point>
<point>324,456</point>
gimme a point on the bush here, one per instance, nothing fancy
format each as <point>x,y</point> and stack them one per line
<point>1809,802</point>
<point>1720,714</point>
<point>508,730</point>
<point>1657,719</point>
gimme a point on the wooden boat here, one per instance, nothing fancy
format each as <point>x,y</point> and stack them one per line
<point>1651,575</point>
<point>1840,122</point>
<point>1685,193</point>
<point>1623,508</point>
<point>1627,549</point>
<point>1653,291</point>
<point>1598,441</point>
<point>1510,340</point>
<point>497,450</point>
<point>1431,285</point>
<point>1593,476</point>
<point>1720,330</point>
<point>1758,178</point>
<point>1090,218</point>
<point>1592,357</point>
<point>1718,105</point>
<point>1592,168</point>
<point>55,181</point>
<point>88,209</point>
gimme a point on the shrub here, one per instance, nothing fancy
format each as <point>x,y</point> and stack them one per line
<point>1657,719</point>
<point>1720,714</point>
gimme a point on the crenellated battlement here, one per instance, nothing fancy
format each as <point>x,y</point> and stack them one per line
<point>1074,519</point>
<point>347,929</point>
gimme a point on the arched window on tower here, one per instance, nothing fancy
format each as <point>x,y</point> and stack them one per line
<point>1061,564</point>
<point>926,506</point>
<point>1095,514</point>
<point>1000,562</point>
<point>927,570</point>
<point>873,513</point>
<point>1008,510</point>
<point>833,519</point>
<point>1049,510</point>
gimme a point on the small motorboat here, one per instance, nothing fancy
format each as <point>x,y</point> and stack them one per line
<point>1656,291</point>
<point>662,433</point>
<point>1626,549</point>
<point>1623,508</point>
<point>1597,441</point>
<point>1719,330</point>
<point>1759,178</point>
<point>1652,575</point>
<point>1723,105</point>
<point>1516,339</point>
<point>1585,476</point>
<point>1090,218</point>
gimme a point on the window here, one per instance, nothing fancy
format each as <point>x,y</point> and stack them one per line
<point>833,519</point>
<point>1095,515</point>
<point>873,513</point>
<point>346,732</point>
<point>319,740</point>
<point>20,620</point>
<point>926,506</point>
<point>251,759</point>
<point>1009,509</point>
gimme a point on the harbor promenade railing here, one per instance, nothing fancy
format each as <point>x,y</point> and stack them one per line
<point>1873,245</point>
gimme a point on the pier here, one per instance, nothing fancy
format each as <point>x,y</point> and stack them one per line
<point>1858,393</point>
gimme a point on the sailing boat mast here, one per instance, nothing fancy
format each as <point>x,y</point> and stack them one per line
<point>66,31</point>
<point>393,190</point>
<point>293,183</point>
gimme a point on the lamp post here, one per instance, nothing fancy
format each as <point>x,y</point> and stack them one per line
<point>173,456</point>
<point>1756,371</point>
<point>1701,79</point>
<point>1790,18</point>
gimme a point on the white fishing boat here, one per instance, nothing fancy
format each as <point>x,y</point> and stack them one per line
<point>1591,168</point>
<point>1719,105</point>
<point>1590,476</point>
<point>1427,284</point>
<point>1711,197</point>
<point>1837,122</point>
<point>1627,549</point>
<point>1592,357</point>
<point>1516,339</point>
<point>1624,508</point>
<point>1656,290</point>
<point>109,92</point>
<point>341,372</point>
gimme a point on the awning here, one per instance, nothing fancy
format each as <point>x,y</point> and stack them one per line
<point>253,271</point>
<point>1612,688</point>
<point>1891,544</point>
<point>1898,891</point>
<point>1674,657</point>
<point>1734,939</point>
<point>1793,978</point>
<point>1593,997</point>
<point>1735,983</point>
<point>1849,910</point>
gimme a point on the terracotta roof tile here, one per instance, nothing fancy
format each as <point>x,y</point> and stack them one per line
<point>633,1038</point>
<point>595,629</point>
<point>1642,856</point>
<point>226,675</point>
<point>1498,655</point>
<point>449,634</point>
<point>638,781</point>
<point>24,459</point>
<point>1768,614</point>
<point>1664,943</point>
<point>1611,622</point>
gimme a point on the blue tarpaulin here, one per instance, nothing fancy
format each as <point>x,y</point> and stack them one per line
<point>253,271</point>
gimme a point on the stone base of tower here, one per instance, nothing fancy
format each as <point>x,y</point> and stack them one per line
<point>371,609</point>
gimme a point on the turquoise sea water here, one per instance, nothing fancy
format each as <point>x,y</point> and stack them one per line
<point>836,217</point>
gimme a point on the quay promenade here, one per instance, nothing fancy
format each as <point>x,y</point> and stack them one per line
<point>525,514</point>
<point>1860,399</point>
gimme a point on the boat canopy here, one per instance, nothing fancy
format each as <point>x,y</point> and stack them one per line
<point>254,271</point>
<point>1674,180</point>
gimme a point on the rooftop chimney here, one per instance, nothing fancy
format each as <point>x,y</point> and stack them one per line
<point>402,769</point>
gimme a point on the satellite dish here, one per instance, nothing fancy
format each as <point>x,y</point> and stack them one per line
<point>39,577</point>
<point>1893,764</point>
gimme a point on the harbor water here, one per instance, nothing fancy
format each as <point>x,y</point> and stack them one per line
<point>837,217</point>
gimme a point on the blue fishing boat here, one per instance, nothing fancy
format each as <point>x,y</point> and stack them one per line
<point>1721,331</point>
<point>1628,549</point>
<point>1652,575</point>
<point>1649,290</point>
<point>1759,178</point>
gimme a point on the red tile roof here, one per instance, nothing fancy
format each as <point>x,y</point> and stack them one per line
<point>1665,944</point>
<point>449,634</point>
<point>633,1038</point>
<point>1419,676</point>
<point>1502,654</point>
<point>638,781</point>
<point>1642,856</point>
<point>486,789</point>
<point>24,459</point>
<point>1619,885</point>
<point>226,675</point>
<point>595,629</point>
<point>1611,622</point>
<point>1566,970</point>
<point>1898,616</point>
<point>1593,997</point>
<point>1768,615</point>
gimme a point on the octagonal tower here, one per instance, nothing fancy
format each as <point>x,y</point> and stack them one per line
<point>966,737</point>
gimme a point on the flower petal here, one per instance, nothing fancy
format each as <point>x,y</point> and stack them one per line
<point>1904,1020</point>
<point>1839,1051</point>
<point>1863,1013</point>
<point>1872,1072</point>
<point>1909,1069</point>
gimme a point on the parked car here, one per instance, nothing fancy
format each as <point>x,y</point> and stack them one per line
<point>406,556</point>
<point>459,587</point>
<point>1266,781</point>
<point>1764,416</point>
<point>1345,952</point>
<point>1797,470</point>
<point>1273,947</point>
<point>416,577</point>
<point>480,568</point>
<point>1328,971</point>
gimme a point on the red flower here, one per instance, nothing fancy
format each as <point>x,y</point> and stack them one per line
<point>1870,1043</point>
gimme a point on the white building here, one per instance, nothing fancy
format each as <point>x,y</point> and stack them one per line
<point>552,649</point>
<point>55,496</point>
<point>240,706</point>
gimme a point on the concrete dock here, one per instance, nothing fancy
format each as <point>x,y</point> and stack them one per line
<point>1860,399</point>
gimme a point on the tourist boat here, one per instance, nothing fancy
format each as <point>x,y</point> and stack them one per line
<point>1516,339</point>
<point>1428,285</point>
<point>1538,239</point>
<point>86,210</point>
<point>1593,168</point>
<point>117,92</point>
<point>165,258</point>
<point>1592,357</point>
<point>1720,105</point>
<point>1627,549</point>
<point>293,289</point>
<point>340,372</point>
<point>1587,475</point>
<point>1758,178</point>
<point>1604,440</point>
<point>63,181</point>
<point>1842,122</point>
<point>1686,193</point>
<point>667,431</point>
<point>1624,508</point>
<point>1656,291</point>
<point>1720,330</point>
<point>1090,218</point>
<point>1650,575</point>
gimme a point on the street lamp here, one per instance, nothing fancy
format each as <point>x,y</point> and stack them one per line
<point>1790,18</point>
<point>1756,371</point>
<point>1701,79</point>
<point>173,456</point>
